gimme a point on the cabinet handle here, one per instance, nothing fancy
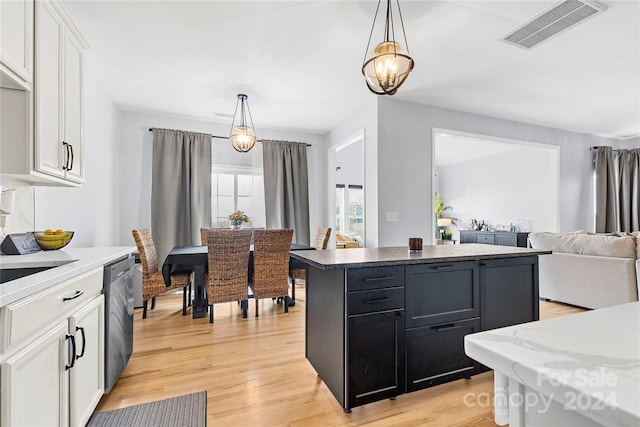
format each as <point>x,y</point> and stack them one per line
<point>72,352</point>
<point>84,341</point>
<point>374,279</point>
<point>443,267</point>
<point>66,157</point>
<point>445,327</point>
<point>71,147</point>
<point>376,301</point>
<point>76,295</point>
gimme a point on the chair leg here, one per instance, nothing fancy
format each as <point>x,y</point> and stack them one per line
<point>184,301</point>
<point>153,303</point>
<point>144,309</point>
<point>210,313</point>
<point>189,301</point>
<point>286,304</point>
<point>256,306</point>
<point>244,304</point>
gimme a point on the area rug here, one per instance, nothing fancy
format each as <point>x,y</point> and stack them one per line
<point>188,410</point>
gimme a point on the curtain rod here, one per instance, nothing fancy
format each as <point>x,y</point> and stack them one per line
<point>226,137</point>
<point>596,147</point>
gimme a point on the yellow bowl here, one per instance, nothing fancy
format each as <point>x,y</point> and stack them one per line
<point>53,241</point>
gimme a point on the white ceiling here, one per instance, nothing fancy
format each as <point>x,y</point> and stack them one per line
<point>299,61</point>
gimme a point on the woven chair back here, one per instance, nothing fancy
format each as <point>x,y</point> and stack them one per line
<point>228,253</point>
<point>321,239</point>
<point>271,262</point>
<point>147,250</point>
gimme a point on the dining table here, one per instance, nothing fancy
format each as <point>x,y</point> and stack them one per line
<point>196,260</point>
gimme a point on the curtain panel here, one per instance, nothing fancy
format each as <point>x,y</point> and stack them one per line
<point>606,200</point>
<point>180,188</point>
<point>617,189</point>
<point>286,187</point>
<point>628,163</point>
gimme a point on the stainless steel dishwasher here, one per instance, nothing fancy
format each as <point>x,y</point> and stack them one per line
<point>118,325</point>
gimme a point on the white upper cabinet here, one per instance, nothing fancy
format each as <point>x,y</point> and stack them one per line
<point>16,43</point>
<point>41,133</point>
<point>58,94</point>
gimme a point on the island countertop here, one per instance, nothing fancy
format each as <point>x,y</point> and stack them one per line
<point>66,263</point>
<point>377,257</point>
<point>587,362</point>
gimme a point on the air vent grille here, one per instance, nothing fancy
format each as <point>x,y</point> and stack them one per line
<point>560,17</point>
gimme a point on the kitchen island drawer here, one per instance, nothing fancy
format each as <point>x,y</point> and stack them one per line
<point>376,300</point>
<point>27,316</point>
<point>361,279</point>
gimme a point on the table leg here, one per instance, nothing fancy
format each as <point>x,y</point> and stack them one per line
<point>292,300</point>
<point>501,398</point>
<point>199,308</point>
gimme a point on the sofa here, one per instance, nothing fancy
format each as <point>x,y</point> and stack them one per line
<point>587,269</point>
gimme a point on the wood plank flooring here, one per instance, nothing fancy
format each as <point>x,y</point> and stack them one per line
<point>255,372</point>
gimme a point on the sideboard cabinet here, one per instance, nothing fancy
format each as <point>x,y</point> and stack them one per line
<point>500,238</point>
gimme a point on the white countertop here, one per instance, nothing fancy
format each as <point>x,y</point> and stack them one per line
<point>69,263</point>
<point>594,355</point>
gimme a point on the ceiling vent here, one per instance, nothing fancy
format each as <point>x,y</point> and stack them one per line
<point>552,21</point>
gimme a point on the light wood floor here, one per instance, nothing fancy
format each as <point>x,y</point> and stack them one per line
<point>255,372</point>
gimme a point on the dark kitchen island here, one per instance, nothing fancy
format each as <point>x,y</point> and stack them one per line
<point>381,322</point>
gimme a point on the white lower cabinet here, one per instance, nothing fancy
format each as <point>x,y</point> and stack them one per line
<point>35,384</point>
<point>54,375</point>
<point>86,378</point>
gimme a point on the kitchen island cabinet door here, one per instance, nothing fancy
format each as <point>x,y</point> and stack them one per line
<point>38,382</point>
<point>435,354</point>
<point>375,357</point>
<point>509,289</point>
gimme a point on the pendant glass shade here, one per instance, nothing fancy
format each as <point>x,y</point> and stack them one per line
<point>242,136</point>
<point>388,65</point>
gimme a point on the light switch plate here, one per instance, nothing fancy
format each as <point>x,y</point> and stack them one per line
<point>392,216</point>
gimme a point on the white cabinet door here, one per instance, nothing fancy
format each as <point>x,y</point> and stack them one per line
<point>38,382</point>
<point>16,37</point>
<point>73,72</point>
<point>87,376</point>
<point>50,156</point>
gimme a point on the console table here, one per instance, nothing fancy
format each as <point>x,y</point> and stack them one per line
<point>381,322</point>
<point>501,238</point>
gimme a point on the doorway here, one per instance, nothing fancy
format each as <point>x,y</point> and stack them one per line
<point>346,198</point>
<point>505,183</point>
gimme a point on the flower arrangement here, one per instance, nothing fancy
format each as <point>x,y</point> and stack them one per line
<point>238,218</point>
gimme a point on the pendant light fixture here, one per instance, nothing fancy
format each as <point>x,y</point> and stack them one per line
<point>243,137</point>
<point>387,66</point>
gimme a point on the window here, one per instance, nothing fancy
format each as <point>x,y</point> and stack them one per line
<point>237,188</point>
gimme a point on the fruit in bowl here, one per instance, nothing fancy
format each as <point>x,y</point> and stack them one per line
<point>50,239</point>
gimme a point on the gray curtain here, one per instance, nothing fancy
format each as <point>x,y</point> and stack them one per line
<point>180,188</point>
<point>606,200</point>
<point>286,187</point>
<point>628,162</point>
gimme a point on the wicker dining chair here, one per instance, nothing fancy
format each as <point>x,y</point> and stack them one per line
<point>271,265</point>
<point>152,281</point>
<point>320,242</point>
<point>228,257</point>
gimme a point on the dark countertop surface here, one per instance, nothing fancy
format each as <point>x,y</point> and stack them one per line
<point>377,257</point>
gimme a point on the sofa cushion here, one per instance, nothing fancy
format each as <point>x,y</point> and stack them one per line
<point>585,244</point>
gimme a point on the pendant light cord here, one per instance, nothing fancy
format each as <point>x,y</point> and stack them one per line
<point>404,34</point>
<point>371,33</point>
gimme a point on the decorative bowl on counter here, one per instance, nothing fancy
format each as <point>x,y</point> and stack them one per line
<point>53,241</point>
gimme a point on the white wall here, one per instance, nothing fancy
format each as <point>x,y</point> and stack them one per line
<point>501,189</point>
<point>135,149</point>
<point>405,150</point>
<point>92,210</point>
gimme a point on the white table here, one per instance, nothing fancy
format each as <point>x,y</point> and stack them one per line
<point>578,370</point>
